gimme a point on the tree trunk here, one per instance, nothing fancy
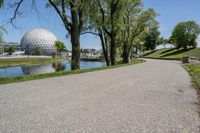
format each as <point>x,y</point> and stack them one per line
<point>105,52</point>
<point>75,39</point>
<point>126,54</point>
<point>75,62</point>
<point>113,49</point>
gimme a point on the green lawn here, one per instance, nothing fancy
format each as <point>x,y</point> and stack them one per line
<point>194,70</point>
<point>56,74</point>
<point>173,53</point>
<point>25,61</point>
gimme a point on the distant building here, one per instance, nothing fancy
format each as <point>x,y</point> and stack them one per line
<point>165,46</point>
<point>91,52</point>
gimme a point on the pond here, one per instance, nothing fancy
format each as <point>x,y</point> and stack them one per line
<point>46,68</point>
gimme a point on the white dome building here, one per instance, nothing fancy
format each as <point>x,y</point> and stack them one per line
<point>39,38</point>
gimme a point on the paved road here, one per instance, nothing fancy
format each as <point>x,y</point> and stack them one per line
<point>153,97</point>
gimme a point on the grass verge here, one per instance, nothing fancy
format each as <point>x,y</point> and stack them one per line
<point>27,61</point>
<point>63,73</point>
<point>194,71</point>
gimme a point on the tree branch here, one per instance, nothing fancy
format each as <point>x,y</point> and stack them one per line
<point>90,32</point>
<point>18,4</point>
<point>62,15</point>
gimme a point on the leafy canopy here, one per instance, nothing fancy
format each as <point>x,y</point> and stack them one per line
<point>60,46</point>
<point>185,34</point>
<point>10,50</point>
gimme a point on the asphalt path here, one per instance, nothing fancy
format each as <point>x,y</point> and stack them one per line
<point>151,97</point>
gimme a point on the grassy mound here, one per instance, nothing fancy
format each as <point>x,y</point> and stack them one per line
<point>173,53</point>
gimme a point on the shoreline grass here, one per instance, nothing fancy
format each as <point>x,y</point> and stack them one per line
<point>63,73</point>
<point>27,61</point>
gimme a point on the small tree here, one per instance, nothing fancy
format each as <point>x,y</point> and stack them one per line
<point>10,50</point>
<point>185,34</point>
<point>37,51</point>
<point>60,46</point>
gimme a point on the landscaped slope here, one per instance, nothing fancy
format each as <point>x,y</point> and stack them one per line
<point>173,53</point>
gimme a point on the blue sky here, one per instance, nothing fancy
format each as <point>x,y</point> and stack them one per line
<point>170,13</point>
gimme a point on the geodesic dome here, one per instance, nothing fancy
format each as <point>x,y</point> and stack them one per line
<point>39,38</point>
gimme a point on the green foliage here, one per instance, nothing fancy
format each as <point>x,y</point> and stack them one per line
<point>37,51</point>
<point>152,37</point>
<point>194,70</point>
<point>85,51</point>
<point>60,46</point>
<point>185,34</point>
<point>10,50</point>
<point>1,3</point>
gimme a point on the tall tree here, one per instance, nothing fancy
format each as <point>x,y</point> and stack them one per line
<point>135,20</point>
<point>110,16</point>
<point>152,36</point>
<point>185,34</point>
<point>95,26</point>
<point>73,23</point>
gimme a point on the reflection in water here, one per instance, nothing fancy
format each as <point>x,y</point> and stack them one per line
<point>59,66</point>
<point>48,68</point>
<point>34,70</point>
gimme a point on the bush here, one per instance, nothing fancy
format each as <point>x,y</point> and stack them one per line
<point>10,50</point>
<point>37,51</point>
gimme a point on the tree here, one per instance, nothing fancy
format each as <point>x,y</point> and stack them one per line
<point>96,26</point>
<point>135,21</point>
<point>185,34</point>
<point>110,18</point>
<point>163,41</point>
<point>152,36</point>
<point>10,50</point>
<point>72,13</point>
<point>37,51</point>
<point>60,46</point>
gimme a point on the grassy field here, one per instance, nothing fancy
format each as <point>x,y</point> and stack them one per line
<point>56,74</point>
<point>173,53</point>
<point>25,61</point>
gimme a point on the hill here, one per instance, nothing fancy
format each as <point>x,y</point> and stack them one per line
<point>173,53</point>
